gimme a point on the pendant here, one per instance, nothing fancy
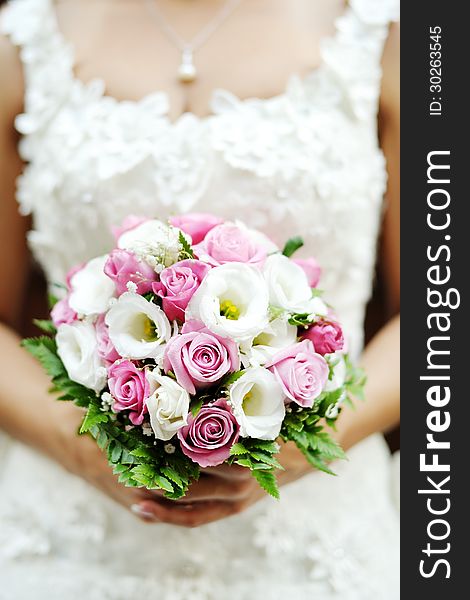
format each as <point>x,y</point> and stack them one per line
<point>187,71</point>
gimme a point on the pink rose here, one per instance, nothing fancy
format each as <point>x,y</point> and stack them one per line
<point>129,387</point>
<point>311,268</point>
<point>130,222</point>
<point>208,437</point>
<point>105,348</point>
<point>301,372</point>
<point>62,313</point>
<point>177,285</point>
<point>199,358</point>
<point>196,224</point>
<point>123,266</point>
<point>327,337</point>
<point>230,243</point>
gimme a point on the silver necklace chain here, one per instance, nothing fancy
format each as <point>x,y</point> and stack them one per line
<point>187,71</point>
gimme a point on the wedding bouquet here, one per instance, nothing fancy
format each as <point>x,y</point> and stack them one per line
<point>194,343</point>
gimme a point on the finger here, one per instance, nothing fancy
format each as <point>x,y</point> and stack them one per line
<point>190,515</point>
<point>228,471</point>
<point>218,489</point>
<point>128,497</point>
<point>142,512</point>
<point>216,483</point>
<point>132,500</point>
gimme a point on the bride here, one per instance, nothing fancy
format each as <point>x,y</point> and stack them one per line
<point>264,109</point>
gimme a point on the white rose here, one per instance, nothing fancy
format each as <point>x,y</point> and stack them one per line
<point>277,335</point>
<point>91,289</point>
<point>232,301</point>
<point>317,308</point>
<point>137,328</point>
<point>339,372</point>
<point>257,402</point>
<point>77,349</point>
<point>153,241</point>
<point>289,288</point>
<point>168,407</point>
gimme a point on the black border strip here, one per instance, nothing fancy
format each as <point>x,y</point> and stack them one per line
<point>424,132</point>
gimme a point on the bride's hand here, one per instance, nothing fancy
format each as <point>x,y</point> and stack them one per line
<point>222,491</point>
<point>80,455</point>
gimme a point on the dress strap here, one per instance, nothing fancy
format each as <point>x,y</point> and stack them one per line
<point>46,57</point>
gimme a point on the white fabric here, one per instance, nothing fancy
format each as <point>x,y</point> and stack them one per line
<point>305,162</point>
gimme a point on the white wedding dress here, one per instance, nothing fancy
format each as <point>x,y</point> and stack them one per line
<point>305,162</point>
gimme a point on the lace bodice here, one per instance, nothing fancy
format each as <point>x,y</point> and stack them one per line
<point>305,162</point>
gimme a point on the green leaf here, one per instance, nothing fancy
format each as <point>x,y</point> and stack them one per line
<point>355,380</point>
<point>173,476</point>
<point>143,474</point>
<point>120,468</point>
<point>102,439</point>
<point>244,462</point>
<point>267,481</point>
<point>187,251</point>
<point>259,466</point>
<point>231,378</point>
<point>149,296</point>
<point>328,399</point>
<point>331,423</point>
<point>45,350</point>
<point>293,423</point>
<point>312,419</point>
<point>128,458</point>
<point>267,459</point>
<point>114,452</point>
<point>123,472</point>
<point>292,245</point>
<point>266,445</point>
<point>327,447</point>
<point>148,476</point>
<point>52,300</point>
<point>316,461</point>
<point>356,390</point>
<point>301,320</point>
<point>141,452</point>
<point>238,449</point>
<point>70,390</point>
<point>45,325</point>
<point>163,483</point>
<point>299,437</point>
<point>196,406</point>
<point>94,416</point>
<point>177,494</point>
<point>129,481</point>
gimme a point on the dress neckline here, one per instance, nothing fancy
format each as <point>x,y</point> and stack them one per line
<point>217,92</point>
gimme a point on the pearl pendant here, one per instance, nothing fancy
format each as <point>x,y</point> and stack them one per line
<point>187,71</point>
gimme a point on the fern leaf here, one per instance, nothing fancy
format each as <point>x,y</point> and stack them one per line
<point>267,481</point>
